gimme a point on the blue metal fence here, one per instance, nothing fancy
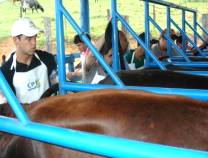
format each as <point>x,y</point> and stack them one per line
<point>104,145</point>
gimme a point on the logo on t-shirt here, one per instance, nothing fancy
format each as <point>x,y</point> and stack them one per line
<point>33,85</point>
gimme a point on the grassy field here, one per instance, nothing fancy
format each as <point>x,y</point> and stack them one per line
<point>98,15</point>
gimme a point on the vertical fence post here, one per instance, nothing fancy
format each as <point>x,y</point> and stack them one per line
<point>205,23</point>
<point>108,14</point>
<point>60,45</point>
<point>147,31</point>
<point>195,27</point>
<point>116,63</point>
<point>168,32</point>
<point>48,43</point>
<point>184,29</point>
<point>84,15</point>
<point>154,14</point>
<point>123,28</point>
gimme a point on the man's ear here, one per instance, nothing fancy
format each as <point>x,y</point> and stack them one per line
<point>15,39</point>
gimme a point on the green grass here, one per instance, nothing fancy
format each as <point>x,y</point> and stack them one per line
<point>98,16</point>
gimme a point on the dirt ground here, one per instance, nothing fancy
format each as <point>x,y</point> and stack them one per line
<point>6,47</point>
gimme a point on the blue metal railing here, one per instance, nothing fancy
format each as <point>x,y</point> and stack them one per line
<point>146,48</point>
<point>171,45</point>
<point>60,8</point>
<point>169,4</point>
<point>204,31</point>
<point>169,40</point>
<point>104,145</point>
<point>17,108</point>
<point>82,141</point>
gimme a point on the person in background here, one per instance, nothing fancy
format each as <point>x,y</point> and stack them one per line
<point>106,51</point>
<point>160,48</point>
<point>135,58</point>
<point>202,46</point>
<point>179,40</point>
<point>106,48</point>
<point>29,72</point>
<point>84,69</point>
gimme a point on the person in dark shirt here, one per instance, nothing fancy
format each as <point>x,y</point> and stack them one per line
<point>29,72</point>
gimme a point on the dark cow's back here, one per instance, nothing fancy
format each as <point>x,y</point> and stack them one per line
<point>170,120</point>
<point>159,78</point>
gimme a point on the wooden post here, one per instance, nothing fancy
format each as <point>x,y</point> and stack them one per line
<point>21,8</point>
<point>154,15</point>
<point>205,23</point>
<point>108,14</point>
<point>123,28</point>
<point>48,43</point>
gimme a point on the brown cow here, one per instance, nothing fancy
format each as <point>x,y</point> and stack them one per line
<point>160,78</point>
<point>163,119</point>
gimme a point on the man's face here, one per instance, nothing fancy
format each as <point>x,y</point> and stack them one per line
<point>163,44</point>
<point>25,45</point>
<point>108,57</point>
<point>82,47</point>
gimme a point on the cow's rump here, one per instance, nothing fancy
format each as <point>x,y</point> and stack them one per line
<point>159,78</point>
<point>170,120</point>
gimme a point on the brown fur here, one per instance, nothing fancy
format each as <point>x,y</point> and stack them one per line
<point>163,119</point>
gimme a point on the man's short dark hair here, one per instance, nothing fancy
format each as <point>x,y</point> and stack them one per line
<point>179,39</point>
<point>142,37</point>
<point>173,36</point>
<point>77,38</point>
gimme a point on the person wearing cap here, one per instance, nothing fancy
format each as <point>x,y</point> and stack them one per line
<point>84,69</point>
<point>29,72</point>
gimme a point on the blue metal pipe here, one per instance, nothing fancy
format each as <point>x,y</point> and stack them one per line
<point>195,32</point>
<point>168,33</point>
<point>196,64</point>
<point>169,40</point>
<point>184,30</point>
<point>184,34</point>
<point>147,50</point>
<point>14,103</point>
<point>201,38</point>
<point>195,44</point>
<point>147,34</point>
<point>116,62</point>
<point>202,29</point>
<point>198,94</point>
<point>172,5</point>
<point>104,145</point>
<point>60,45</point>
<point>102,62</point>
<point>84,15</point>
<point>91,47</point>
<point>195,26</point>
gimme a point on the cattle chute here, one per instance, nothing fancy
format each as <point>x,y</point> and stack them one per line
<point>26,128</point>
